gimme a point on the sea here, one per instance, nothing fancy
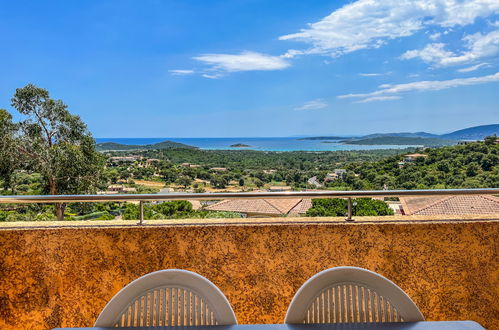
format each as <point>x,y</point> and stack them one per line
<point>256,143</point>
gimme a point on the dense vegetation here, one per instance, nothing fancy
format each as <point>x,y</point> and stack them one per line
<point>250,169</point>
<point>334,207</point>
<point>474,165</point>
<point>250,159</point>
<point>173,210</point>
<point>74,211</point>
<point>462,166</point>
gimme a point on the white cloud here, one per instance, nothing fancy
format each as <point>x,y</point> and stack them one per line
<point>292,53</point>
<point>478,46</point>
<point>428,85</point>
<point>313,105</point>
<point>245,61</point>
<point>435,36</point>
<point>369,23</point>
<point>181,72</point>
<point>450,13</point>
<point>212,76</point>
<point>379,98</point>
<point>474,67</point>
<point>432,53</point>
<point>374,74</point>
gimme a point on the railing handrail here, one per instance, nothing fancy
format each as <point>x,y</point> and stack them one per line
<point>25,199</point>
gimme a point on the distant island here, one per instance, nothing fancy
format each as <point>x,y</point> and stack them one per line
<point>113,146</point>
<point>240,145</point>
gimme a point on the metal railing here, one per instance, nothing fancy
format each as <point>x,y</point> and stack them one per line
<point>142,198</point>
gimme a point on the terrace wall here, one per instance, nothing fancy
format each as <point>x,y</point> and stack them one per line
<point>62,277</point>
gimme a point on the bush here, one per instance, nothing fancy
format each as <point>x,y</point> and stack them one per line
<point>220,214</point>
<point>333,207</point>
<point>173,210</point>
<point>104,215</point>
<point>3,215</point>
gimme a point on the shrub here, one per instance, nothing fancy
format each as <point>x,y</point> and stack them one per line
<point>333,207</point>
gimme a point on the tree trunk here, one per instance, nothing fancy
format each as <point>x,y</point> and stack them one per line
<point>59,210</point>
<point>58,207</point>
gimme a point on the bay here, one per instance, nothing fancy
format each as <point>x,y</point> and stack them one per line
<point>258,143</point>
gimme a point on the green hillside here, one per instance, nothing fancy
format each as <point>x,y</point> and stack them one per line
<point>474,165</point>
<point>402,140</point>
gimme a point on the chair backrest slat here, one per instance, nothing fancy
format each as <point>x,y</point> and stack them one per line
<point>168,306</point>
<point>372,307</point>
<point>365,311</point>
<point>194,310</point>
<point>351,294</point>
<point>188,308</point>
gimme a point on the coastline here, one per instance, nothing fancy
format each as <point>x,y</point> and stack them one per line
<point>282,144</point>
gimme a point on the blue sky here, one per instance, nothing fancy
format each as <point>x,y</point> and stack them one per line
<point>196,68</point>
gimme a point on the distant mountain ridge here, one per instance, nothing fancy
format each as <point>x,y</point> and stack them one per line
<point>470,133</point>
<point>403,134</point>
<point>113,146</point>
<point>326,138</point>
<point>402,140</point>
<point>473,133</point>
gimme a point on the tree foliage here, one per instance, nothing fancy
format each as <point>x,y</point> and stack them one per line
<point>333,207</point>
<point>9,161</point>
<point>473,165</point>
<point>172,210</point>
<point>54,143</point>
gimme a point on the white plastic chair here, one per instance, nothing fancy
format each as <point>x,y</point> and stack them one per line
<point>171,297</point>
<point>351,294</point>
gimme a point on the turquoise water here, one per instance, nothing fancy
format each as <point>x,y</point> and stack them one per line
<point>263,144</point>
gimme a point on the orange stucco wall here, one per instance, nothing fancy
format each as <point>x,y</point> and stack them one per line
<point>64,277</point>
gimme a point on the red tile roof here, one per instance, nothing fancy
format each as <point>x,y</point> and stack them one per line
<point>416,155</point>
<point>196,205</point>
<point>450,205</point>
<point>273,207</point>
<point>302,207</point>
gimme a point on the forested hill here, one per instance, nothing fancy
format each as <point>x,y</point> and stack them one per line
<point>474,165</point>
<point>402,140</point>
<point>112,146</point>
